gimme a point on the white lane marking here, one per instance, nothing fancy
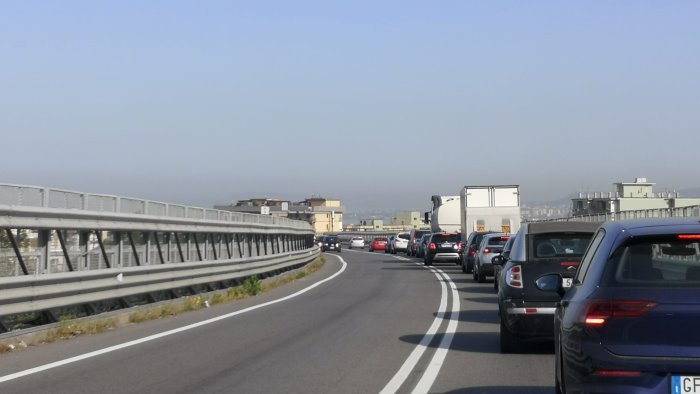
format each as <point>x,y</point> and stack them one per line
<point>402,374</point>
<point>431,372</point>
<point>110,349</point>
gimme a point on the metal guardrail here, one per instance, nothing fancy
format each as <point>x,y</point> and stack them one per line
<point>61,248</point>
<point>42,197</point>
<point>689,211</point>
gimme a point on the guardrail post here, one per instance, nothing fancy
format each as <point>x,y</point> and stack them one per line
<point>43,246</point>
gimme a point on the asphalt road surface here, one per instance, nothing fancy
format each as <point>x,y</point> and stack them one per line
<point>378,323</point>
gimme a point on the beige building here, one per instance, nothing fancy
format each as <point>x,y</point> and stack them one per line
<point>628,196</point>
<point>408,220</point>
<point>325,215</point>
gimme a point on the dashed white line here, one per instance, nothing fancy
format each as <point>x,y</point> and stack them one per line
<point>110,349</point>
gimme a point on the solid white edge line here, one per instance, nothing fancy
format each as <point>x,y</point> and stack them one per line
<point>110,349</point>
<point>403,373</point>
<point>433,369</point>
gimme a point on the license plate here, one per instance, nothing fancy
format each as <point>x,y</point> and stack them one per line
<point>332,247</point>
<point>447,245</point>
<point>567,282</point>
<point>685,384</point>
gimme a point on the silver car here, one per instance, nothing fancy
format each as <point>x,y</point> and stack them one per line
<point>357,242</point>
<point>491,246</point>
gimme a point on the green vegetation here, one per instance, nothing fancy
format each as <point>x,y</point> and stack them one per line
<point>69,328</point>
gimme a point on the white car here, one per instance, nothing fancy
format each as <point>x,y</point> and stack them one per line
<point>400,243</point>
<point>357,242</point>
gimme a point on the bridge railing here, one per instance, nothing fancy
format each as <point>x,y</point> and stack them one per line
<point>689,211</point>
<point>61,249</point>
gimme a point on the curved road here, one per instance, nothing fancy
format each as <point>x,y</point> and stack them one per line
<point>383,324</point>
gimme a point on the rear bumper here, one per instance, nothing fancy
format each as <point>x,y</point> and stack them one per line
<point>534,320</point>
<point>444,256</point>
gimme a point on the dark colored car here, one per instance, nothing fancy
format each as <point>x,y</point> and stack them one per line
<point>422,245</point>
<point>443,247</point>
<point>330,242</point>
<point>497,267</point>
<point>387,248</point>
<point>469,251</point>
<point>378,243</point>
<point>413,237</point>
<point>526,312</point>
<point>630,323</point>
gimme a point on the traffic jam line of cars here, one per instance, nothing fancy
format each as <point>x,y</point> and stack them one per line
<point>620,300</point>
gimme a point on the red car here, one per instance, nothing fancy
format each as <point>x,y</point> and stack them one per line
<point>378,244</point>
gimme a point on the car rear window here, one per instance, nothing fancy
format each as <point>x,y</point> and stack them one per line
<point>403,235</point>
<point>547,246</point>
<point>656,261</point>
<point>357,238</point>
<point>331,239</point>
<point>380,239</point>
<point>497,241</point>
<point>445,238</point>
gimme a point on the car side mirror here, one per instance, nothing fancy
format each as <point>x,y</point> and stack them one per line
<point>551,283</point>
<point>498,260</point>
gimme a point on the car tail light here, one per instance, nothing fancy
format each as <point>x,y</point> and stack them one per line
<point>618,374</point>
<point>432,246</point>
<point>505,238</point>
<point>460,245</point>
<point>472,252</point>
<point>514,277</point>
<point>689,236</point>
<point>599,312</point>
<point>487,250</point>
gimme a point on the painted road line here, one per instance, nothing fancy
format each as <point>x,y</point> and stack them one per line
<point>433,369</point>
<point>114,348</point>
<point>409,365</point>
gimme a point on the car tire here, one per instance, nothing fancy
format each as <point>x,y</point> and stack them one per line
<point>481,278</point>
<point>508,341</point>
<point>464,267</point>
<point>475,274</point>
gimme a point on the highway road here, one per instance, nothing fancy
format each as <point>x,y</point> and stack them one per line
<point>375,323</point>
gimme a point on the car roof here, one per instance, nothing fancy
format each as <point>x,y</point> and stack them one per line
<point>654,225</point>
<point>558,227</point>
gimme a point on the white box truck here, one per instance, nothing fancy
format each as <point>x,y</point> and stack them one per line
<point>489,208</point>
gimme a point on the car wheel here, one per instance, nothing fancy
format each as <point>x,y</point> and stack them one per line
<point>509,342</point>
<point>481,278</point>
<point>475,273</point>
<point>495,284</point>
<point>464,267</point>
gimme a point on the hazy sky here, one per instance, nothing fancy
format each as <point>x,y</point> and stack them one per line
<point>381,104</point>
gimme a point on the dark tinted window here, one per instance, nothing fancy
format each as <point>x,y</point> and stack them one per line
<point>403,235</point>
<point>331,239</point>
<point>496,241</point>
<point>559,245</point>
<point>380,239</point>
<point>445,238</point>
<point>658,261</point>
<point>420,233</point>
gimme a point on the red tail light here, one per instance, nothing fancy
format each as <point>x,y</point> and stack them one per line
<point>514,277</point>
<point>472,252</point>
<point>601,311</point>
<point>487,250</point>
<point>689,236</point>
<point>459,246</point>
<point>505,238</point>
<point>618,374</point>
<point>432,246</point>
